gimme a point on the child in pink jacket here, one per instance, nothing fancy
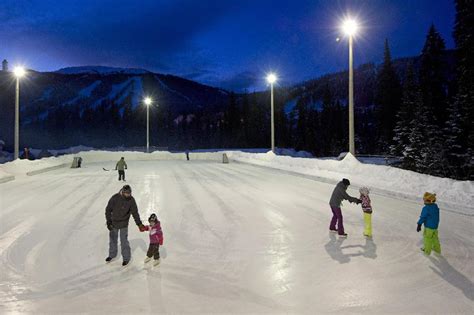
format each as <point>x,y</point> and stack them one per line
<point>367,209</point>
<point>156,239</point>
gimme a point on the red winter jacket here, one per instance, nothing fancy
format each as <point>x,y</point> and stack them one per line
<point>156,234</point>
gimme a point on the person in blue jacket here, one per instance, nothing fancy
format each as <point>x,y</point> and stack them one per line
<point>430,218</point>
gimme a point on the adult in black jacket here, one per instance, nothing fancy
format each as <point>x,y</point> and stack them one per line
<point>117,215</point>
<point>338,195</point>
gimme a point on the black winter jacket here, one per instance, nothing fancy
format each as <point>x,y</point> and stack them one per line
<point>119,209</point>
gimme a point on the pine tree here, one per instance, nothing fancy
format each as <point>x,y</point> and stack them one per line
<point>302,123</point>
<point>388,99</point>
<point>410,101</point>
<point>464,38</point>
<point>432,80</point>
<point>456,154</point>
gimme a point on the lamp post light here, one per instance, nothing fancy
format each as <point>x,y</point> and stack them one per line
<point>271,78</point>
<point>19,72</point>
<point>148,101</point>
<point>349,27</point>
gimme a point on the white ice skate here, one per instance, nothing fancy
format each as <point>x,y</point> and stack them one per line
<point>156,262</point>
<point>147,259</point>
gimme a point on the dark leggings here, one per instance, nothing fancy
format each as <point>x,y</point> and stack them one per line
<point>153,250</point>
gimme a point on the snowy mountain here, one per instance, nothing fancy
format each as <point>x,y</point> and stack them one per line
<point>101,70</point>
<point>82,88</point>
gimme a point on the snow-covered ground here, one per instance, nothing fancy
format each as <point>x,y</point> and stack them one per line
<point>239,238</point>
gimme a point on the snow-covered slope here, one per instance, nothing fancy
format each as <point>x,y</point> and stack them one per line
<point>101,70</point>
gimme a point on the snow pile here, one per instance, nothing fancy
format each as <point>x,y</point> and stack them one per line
<point>380,178</point>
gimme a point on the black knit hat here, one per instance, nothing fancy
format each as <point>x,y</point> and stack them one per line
<point>127,189</point>
<point>153,218</point>
<point>346,182</point>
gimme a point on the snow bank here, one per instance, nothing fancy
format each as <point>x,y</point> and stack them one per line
<point>26,167</point>
<point>379,178</point>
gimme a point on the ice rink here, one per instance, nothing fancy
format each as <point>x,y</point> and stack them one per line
<point>238,239</point>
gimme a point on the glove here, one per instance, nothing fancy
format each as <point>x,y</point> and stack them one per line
<point>161,241</point>
<point>142,228</point>
<point>110,226</point>
<point>418,228</point>
<point>358,201</point>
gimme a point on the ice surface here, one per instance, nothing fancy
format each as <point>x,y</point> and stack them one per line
<point>239,238</point>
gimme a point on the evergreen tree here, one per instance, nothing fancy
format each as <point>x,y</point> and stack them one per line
<point>424,153</point>
<point>464,38</point>
<point>456,153</point>
<point>387,99</point>
<point>302,136</point>
<point>410,101</point>
<point>432,79</point>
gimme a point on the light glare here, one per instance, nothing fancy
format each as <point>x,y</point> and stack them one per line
<point>148,101</point>
<point>19,72</point>
<point>349,27</point>
<point>271,78</point>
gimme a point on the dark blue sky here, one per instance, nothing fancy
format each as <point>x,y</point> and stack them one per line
<point>223,43</point>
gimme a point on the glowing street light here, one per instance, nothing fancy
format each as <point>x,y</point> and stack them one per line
<point>148,101</point>
<point>349,27</point>
<point>19,72</point>
<point>271,78</point>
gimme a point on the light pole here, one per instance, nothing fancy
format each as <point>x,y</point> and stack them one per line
<point>271,78</point>
<point>19,72</point>
<point>148,102</point>
<point>350,27</point>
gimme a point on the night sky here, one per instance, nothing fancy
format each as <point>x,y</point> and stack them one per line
<point>230,44</point>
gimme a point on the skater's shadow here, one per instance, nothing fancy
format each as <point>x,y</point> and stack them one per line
<point>155,296</point>
<point>452,276</point>
<point>138,243</point>
<point>336,251</point>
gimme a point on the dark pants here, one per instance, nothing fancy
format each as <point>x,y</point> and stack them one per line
<point>153,250</point>
<point>337,218</point>
<point>124,244</point>
<point>121,175</point>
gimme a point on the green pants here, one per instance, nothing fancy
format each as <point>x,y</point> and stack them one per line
<point>431,241</point>
<point>368,224</point>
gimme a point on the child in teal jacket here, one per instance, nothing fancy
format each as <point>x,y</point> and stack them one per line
<point>430,218</point>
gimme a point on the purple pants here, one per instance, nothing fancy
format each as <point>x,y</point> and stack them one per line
<point>337,218</point>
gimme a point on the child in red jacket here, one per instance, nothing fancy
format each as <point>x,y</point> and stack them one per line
<point>156,239</point>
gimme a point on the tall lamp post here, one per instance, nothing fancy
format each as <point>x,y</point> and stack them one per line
<point>350,28</point>
<point>271,78</point>
<point>19,72</point>
<point>148,102</point>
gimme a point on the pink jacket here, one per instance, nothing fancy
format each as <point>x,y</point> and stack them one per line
<point>156,234</point>
<point>366,206</point>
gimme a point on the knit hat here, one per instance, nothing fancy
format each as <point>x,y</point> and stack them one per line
<point>429,198</point>
<point>364,191</point>
<point>346,182</point>
<point>153,218</point>
<point>127,189</point>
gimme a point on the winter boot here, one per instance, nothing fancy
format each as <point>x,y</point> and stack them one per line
<point>156,262</point>
<point>147,259</point>
<point>343,235</point>
<point>124,263</point>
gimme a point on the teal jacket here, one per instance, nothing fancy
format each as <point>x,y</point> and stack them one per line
<point>430,216</point>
